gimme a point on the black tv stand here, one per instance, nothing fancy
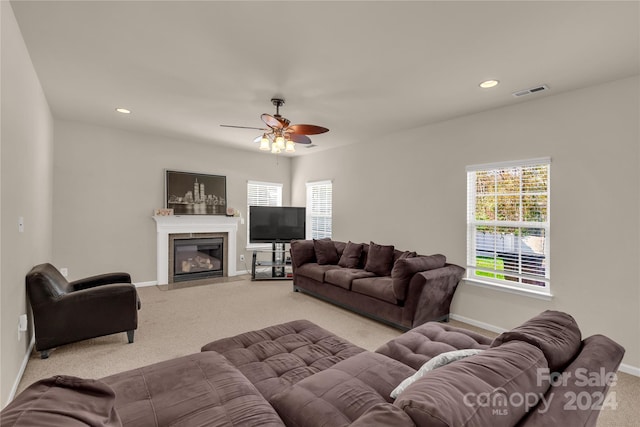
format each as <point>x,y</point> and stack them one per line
<point>271,264</point>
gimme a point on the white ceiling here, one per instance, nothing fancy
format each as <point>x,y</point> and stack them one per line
<point>362,69</point>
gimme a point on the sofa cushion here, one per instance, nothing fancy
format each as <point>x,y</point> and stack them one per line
<point>279,356</point>
<point>384,414</point>
<point>377,287</point>
<point>380,259</point>
<point>343,277</point>
<point>554,332</point>
<point>415,347</point>
<point>63,401</point>
<point>351,255</point>
<point>405,268</point>
<point>302,252</point>
<point>403,254</point>
<point>314,271</point>
<point>194,390</point>
<point>333,398</point>
<point>494,388</point>
<point>326,252</point>
<point>442,359</point>
<point>342,393</point>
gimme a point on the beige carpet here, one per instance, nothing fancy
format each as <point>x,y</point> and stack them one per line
<point>177,322</point>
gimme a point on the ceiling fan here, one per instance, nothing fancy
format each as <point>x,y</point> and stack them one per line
<point>280,134</point>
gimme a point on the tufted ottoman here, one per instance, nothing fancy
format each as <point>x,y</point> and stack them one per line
<point>417,346</point>
<point>275,358</point>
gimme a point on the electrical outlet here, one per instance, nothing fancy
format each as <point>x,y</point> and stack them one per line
<point>241,257</point>
<point>22,325</point>
<point>64,271</point>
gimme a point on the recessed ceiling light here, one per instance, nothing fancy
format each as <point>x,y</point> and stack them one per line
<point>489,83</point>
<point>123,110</point>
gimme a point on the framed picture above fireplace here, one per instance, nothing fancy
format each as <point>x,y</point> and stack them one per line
<point>190,193</point>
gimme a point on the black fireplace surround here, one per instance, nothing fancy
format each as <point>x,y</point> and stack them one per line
<point>198,258</point>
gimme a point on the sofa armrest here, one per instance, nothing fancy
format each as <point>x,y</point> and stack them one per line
<point>430,293</point>
<point>588,376</point>
<point>405,268</point>
<point>101,279</point>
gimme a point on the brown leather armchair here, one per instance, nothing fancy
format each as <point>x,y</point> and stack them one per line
<point>66,312</point>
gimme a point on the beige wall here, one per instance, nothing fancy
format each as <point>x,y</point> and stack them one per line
<point>409,189</point>
<point>26,180</point>
<point>107,183</point>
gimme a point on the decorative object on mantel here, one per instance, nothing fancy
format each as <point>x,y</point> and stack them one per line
<point>195,194</point>
<point>280,134</point>
<point>163,212</point>
<point>233,212</point>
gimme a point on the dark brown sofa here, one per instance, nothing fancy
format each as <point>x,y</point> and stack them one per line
<point>399,288</point>
<point>66,312</point>
<point>299,374</point>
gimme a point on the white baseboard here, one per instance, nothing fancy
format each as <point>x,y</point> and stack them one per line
<point>143,284</point>
<point>12,393</point>
<point>487,326</point>
<point>242,272</point>
<point>627,369</point>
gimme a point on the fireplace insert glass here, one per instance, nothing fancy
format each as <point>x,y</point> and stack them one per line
<point>197,258</point>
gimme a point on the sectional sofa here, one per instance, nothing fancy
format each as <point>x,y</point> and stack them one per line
<point>400,288</point>
<point>299,374</point>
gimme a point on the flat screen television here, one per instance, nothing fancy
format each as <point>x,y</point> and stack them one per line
<point>273,224</point>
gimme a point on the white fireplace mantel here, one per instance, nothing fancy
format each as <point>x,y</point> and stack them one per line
<point>176,224</point>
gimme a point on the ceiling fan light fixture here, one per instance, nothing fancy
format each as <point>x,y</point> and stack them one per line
<point>291,146</point>
<point>264,143</point>
<point>279,134</point>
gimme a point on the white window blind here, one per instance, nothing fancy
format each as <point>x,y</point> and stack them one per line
<point>508,224</point>
<point>262,194</point>
<point>319,207</point>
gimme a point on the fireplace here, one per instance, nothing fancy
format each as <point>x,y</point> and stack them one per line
<point>195,259</point>
<point>172,227</point>
<point>197,256</point>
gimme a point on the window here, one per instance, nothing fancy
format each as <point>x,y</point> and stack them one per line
<point>319,209</point>
<point>508,225</point>
<point>262,194</point>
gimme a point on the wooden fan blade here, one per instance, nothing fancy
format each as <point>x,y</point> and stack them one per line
<point>271,121</point>
<point>298,138</point>
<point>307,129</point>
<point>244,127</point>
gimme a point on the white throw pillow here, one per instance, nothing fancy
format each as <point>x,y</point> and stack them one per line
<point>433,363</point>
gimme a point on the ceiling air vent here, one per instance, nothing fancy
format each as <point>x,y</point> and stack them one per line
<point>530,90</point>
